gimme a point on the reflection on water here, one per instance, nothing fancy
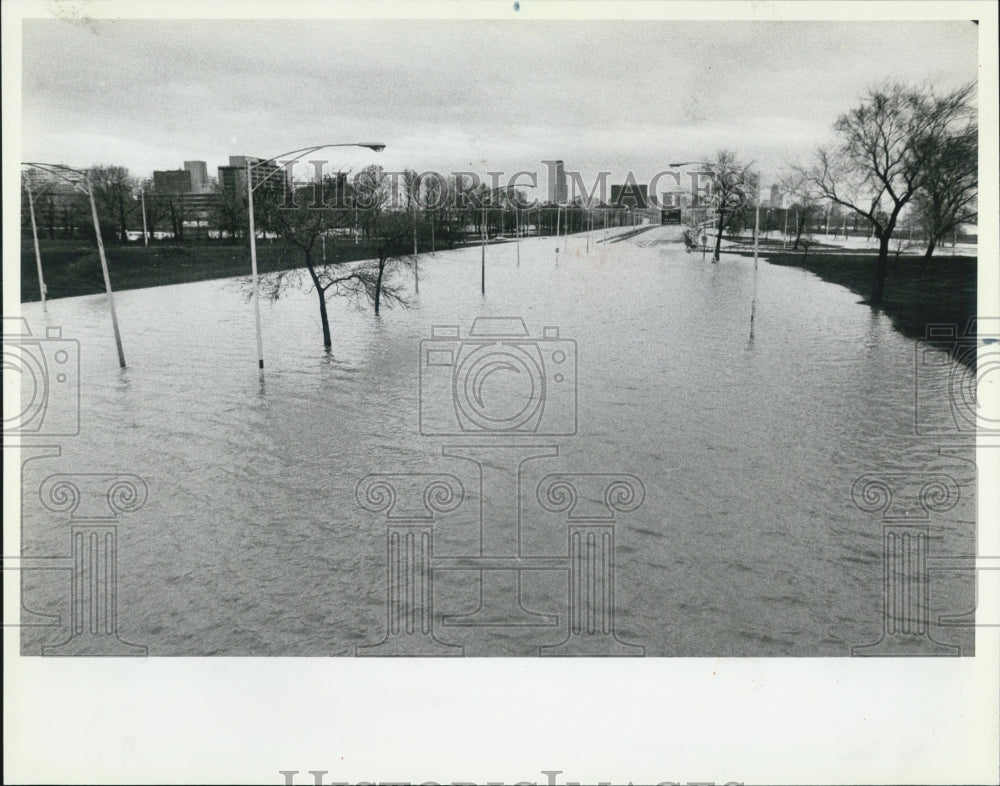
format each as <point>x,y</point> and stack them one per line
<point>747,541</point>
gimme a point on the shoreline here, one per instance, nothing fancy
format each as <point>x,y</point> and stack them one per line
<point>918,292</point>
<point>73,269</point>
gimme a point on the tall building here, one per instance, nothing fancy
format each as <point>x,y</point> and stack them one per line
<point>199,176</point>
<point>232,178</point>
<point>561,191</point>
<point>189,196</point>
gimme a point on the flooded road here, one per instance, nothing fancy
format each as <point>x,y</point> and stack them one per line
<point>686,490</point>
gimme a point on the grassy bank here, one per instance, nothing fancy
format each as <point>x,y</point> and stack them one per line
<point>918,291</point>
<point>73,268</point>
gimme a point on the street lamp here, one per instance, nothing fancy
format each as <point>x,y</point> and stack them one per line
<point>487,195</point>
<point>376,146</point>
<point>142,200</point>
<point>756,233</point>
<point>87,187</point>
<point>559,207</point>
<point>558,216</point>
<point>416,256</point>
<point>145,232</point>
<point>34,235</point>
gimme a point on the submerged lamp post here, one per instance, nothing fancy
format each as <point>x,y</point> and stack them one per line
<point>82,183</point>
<point>145,232</point>
<point>559,208</point>
<point>416,260</point>
<point>485,196</point>
<point>756,230</point>
<point>376,146</point>
<point>756,233</point>
<point>34,235</point>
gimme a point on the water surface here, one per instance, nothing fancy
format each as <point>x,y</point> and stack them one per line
<point>748,542</point>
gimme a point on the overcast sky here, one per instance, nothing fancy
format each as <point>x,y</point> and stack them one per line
<point>463,95</point>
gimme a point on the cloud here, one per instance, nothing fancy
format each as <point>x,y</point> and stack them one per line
<point>601,94</point>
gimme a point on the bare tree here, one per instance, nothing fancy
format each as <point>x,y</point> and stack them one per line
<point>156,208</point>
<point>303,224</point>
<point>229,212</point>
<point>805,202</point>
<point>390,246</point>
<point>170,205</point>
<point>949,195</point>
<point>114,190</point>
<point>729,192</point>
<point>885,148</point>
<point>436,195</point>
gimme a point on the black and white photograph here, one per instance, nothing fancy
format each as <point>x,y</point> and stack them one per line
<point>509,392</point>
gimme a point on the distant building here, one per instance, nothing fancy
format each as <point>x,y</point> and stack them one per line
<point>562,192</point>
<point>232,178</point>
<point>189,197</point>
<point>777,198</point>
<point>172,181</point>
<point>199,176</point>
<point>629,195</point>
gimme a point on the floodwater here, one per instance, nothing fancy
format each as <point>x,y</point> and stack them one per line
<point>743,453</point>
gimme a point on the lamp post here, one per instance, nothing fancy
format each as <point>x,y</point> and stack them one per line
<point>756,232</point>
<point>145,232</point>
<point>34,235</point>
<point>87,187</point>
<point>376,146</point>
<point>558,216</point>
<point>517,234</point>
<point>487,195</point>
<point>756,235</point>
<point>416,261</point>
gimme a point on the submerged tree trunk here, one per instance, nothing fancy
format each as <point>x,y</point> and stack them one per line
<point>881,267</point>
<point>327,340</point>
<point>321,294</point>
<point>800,225</point>
<point>718,237</point>
<point>378,284</point>
<point>931,245</point>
